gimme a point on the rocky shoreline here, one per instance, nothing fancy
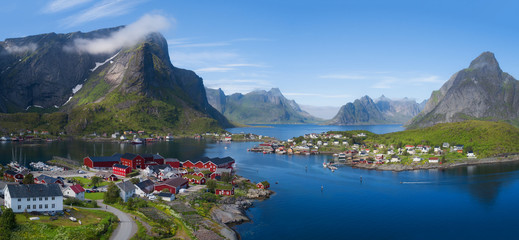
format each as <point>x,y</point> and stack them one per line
<point>459,163</point>
<point>231,210</point>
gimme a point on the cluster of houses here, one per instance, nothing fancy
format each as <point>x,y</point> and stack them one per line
<point>161,173</point>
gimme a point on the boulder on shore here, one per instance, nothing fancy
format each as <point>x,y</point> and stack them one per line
<point>258,193</point>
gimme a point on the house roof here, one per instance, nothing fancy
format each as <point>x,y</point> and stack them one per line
<point>129,156</point>
<point>126,186</point>
<point>175,182</point>
<point>171,160</point>
<point>145,184</point>
<point>10,172</point>
<point>147,155</point>
<point>216,161</point>
<point>157,168</point>
<point>34,190</point>
<point>164,194</point>
<point>77,188</point>
<point>223,170</point>
<point>47,179</point>
<point>121,166</point>
<point>105,159</point>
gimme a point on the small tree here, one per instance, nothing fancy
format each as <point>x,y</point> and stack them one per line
<point>8,220</point>
<point>95,180</point>
<point>226,177</point>
<point>28,179</point>
<point>211,185</point>
<point>112,194</point>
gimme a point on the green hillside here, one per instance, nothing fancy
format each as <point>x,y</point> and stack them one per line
<point>484,137</point>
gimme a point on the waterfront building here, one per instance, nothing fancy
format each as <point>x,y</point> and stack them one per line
<point>33,197</point>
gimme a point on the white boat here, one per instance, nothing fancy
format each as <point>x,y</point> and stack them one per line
<point>137,141</point>
<point>169,138</point>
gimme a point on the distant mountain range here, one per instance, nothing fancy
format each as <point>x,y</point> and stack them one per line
<point>258,107</point>
<point>481,92</point>
<point>381,111</point>
<point>128,88</point>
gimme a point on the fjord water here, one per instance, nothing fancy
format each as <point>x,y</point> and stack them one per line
<point>476,202</point>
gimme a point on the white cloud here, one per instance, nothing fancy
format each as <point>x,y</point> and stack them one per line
<point>103,9</point>
<point>125,37</point>
<point>243,65</point>
<point>11,48</point>
<point>214,69</point>
<point>61,5</point>
<point>342,76</point>
<point>387,83</point>
<point>213,44</point>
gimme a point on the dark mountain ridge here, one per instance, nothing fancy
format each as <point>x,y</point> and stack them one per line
<point>133,87</point>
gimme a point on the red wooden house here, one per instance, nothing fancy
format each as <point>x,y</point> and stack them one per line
<point>173,162</point>
<point>47,179</point>
<point>102,162</point>
<point>210,163</point>
<point>173,184</point>
<point>11,175</point>
<point>263,185</point>
<point>152,159</point>
<point>194,179</point>
<point>133,160</point>
<point>224,189</point>
<point>121,170</point>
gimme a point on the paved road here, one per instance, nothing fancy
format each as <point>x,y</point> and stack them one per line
<point>127,226</point>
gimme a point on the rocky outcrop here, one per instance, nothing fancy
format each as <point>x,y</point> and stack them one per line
<point>251,107</point>
<point>258,193</point>
<point>482,91</point>
<point>229,214</point>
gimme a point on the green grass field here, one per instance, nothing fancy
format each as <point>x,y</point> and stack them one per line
<point>95,196</point>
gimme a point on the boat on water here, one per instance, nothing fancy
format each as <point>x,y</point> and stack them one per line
<point>169,138</point>
<point>137,141</point>
<point>325,164</point>
<point>19,168</point>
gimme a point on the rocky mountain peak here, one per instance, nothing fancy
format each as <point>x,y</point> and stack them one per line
<point>487,61</point>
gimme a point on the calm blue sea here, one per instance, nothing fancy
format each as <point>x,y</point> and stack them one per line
<point>476,202</point>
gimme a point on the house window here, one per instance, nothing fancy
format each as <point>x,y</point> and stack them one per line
<point>52,198</point>
<point>28,199</point>
<point>28,206</point>
<point>19,206</point>
<point>53,205</point>
<point>46,198</point>
<point>19,199</point>
<point>41,206</point>
<point>34,206</point>
<point>34,199</point>
<point>46,205</point>
<point>41,199</point>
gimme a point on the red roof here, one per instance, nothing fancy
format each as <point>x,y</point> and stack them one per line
<point>77,188</point>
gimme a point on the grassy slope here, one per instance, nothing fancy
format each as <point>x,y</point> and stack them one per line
<point>486,138</point>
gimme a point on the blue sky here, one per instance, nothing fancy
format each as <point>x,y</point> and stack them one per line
<point>323,53</point>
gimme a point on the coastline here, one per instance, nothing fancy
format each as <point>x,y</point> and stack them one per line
<point>458,163</point>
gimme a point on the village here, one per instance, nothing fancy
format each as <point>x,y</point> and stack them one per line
<point>134,177</point>
<point>352,150</point>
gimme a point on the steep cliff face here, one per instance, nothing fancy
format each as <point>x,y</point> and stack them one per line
<point>259,107</point>
<point>133,87</point>
<point>481,91</point>
<point>381,111</point>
